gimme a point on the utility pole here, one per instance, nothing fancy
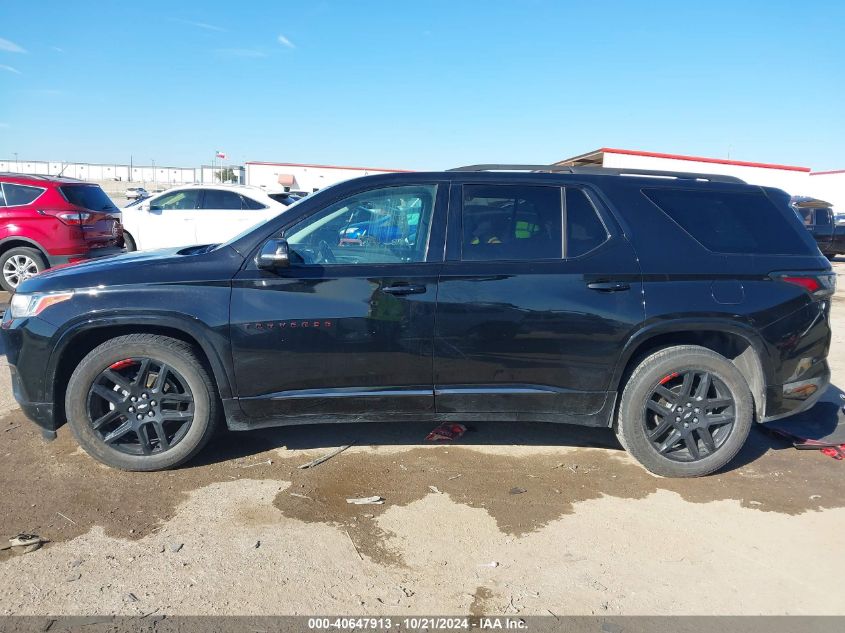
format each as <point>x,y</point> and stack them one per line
<point>17,166</point>
<point>154,171</point>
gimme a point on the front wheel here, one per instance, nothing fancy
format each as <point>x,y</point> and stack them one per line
<point>141,402</point>
<point>686,411</point>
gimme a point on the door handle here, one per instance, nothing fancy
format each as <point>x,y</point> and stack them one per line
<point>404,289</point>
<point>609,286</point>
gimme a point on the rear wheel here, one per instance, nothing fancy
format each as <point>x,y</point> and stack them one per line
<point>19,264</point>
<point>141,402</point>
<point>129,242</point>
<point>685,412</point>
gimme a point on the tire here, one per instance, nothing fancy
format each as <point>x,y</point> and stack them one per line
<point>20,263</point>
<point>129,242</point>
<point>111,358</point>
<point>643,409</point>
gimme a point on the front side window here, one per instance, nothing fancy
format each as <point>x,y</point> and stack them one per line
<point>16,195</point>
<point>218,199</point>
<point>511,223</point>
<point>185,199</point>
<point>381,226</point>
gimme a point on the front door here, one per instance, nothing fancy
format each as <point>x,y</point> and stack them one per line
<point>346,330</point>
<point>168,220</point>
<point>539,294</point>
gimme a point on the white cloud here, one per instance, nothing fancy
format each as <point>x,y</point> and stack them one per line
<point>57,49</point>
<point>202,25</point>
<point>240,52</point>
<point>10,69</point>
<point>285,41</point>
<point>10,47</point>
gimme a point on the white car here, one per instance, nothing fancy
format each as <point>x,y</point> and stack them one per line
<point>196,214</point>
<point>134,193</point>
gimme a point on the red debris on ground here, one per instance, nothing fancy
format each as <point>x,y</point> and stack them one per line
<point>446,432</point>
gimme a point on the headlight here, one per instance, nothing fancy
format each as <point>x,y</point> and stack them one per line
<point>29,305</point>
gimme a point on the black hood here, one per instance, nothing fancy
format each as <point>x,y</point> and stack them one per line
<point>141,267</point>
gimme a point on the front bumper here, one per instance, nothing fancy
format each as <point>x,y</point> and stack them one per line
<point>794,397</point>
<point>41,413</point>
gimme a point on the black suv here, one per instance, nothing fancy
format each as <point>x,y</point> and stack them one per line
<point>675,308</point>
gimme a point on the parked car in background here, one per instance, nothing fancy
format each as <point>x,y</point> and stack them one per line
<point>134,193</point>
<point>609,298</point>
<point>196,214</point>
<point>823,225</point>
<point>50,220</point>
<point>284,197</point>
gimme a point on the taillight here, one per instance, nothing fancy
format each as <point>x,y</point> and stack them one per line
<point>74,219</point>
<point>817,284</point>
<point>71,218</point>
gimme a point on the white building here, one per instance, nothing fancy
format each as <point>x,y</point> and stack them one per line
<point>790,178</point>
<point>303,177</point>
<point>163,175</point>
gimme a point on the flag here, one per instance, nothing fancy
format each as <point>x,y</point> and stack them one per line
<point>219,154</point>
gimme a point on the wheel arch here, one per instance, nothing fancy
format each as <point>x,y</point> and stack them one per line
<point>78,341</point>
<point>738,343</point>
<point>15,241</point>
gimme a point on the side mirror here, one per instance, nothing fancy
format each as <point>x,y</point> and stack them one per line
<point>274,254</point>
<point>152,207</point>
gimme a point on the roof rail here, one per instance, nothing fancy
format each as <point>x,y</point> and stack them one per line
<point>47,177</point>
<point>602,171</point>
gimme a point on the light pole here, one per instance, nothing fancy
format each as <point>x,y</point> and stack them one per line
<point>17,166</point>
<point>154,172</point>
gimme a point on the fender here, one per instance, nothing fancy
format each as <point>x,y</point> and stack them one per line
<point>652,330</point>
<point>21,238</point>
<point>214,344</point>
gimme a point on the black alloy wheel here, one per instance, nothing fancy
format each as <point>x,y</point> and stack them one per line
<point>140,406</point>
<point>689,415</point>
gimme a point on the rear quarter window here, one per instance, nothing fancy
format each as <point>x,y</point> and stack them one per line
<point>731,222</point>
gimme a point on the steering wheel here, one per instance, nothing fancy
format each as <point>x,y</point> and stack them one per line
<point>324,253</point>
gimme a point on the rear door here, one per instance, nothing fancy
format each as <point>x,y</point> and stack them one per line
<point>99,217</point>
<point>539,292</point>
<point>223,214</point>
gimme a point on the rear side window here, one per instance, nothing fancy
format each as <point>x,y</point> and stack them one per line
<point>20,194</point>
<point>217,199</point>
<point>249,203</point>
<point>2,197</point>
<point>731,222</point>
<point>87,197</point>
<point>511,223</point>
<point>584,229</point>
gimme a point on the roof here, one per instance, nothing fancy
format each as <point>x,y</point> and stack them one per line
<point>43,178</point>
<point>259,162</point>
<point>594,157</point>
<point>827,173</point>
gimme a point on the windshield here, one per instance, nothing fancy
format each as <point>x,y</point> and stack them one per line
<point>88,197</point>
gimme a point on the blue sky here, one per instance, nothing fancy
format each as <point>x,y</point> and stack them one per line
<point>421,84</point>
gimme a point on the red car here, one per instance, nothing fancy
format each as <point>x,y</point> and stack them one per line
<point>49,220</point>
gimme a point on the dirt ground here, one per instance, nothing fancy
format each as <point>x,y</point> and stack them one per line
<point>242,530</point>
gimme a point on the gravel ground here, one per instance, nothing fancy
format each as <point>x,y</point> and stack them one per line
<point>241,530</point>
